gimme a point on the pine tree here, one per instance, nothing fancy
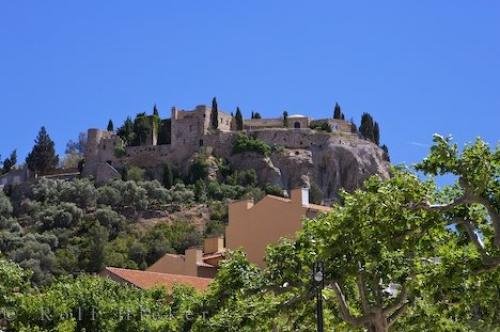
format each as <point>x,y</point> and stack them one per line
<point>126,132</point>
<point>10,162</point>
<point>376,134</point>
<point>42,157</point>
<point>285,119</point>
<point>386,153</point>
<point>366,128</point>
<point>215,114</point>
<point>337,111</point>
<point>239,119</point>
<point>257,115</point>
<point>111,127</point>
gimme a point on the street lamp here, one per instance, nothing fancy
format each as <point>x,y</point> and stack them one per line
<point>319,283</point>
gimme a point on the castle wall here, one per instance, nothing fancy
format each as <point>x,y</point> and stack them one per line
<point>298,122</point>
<point>263,123</point>
<point>340,125</point>
<point>190,131</point>
<point>188,127</point>
<point>225,121</point>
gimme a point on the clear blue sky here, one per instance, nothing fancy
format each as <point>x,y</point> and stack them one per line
<point>418,67</point>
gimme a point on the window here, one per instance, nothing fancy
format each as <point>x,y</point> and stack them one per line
<point>296,124</point>
<point>201,142</point>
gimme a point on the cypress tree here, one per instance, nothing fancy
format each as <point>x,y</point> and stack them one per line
<point>337,111</point>
<point>285,119</point>
<point>155,111</point>
<point>215,114</point>
<point>239,119</point>
<point>252,116</point>
<point>42,157</point>
<point>111,127</point>
<point>376,134</point>
<point>366,128</point>
<point>342,116</point>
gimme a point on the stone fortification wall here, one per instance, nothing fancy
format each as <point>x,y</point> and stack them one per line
<point>221,143</point>
<point>340,125</point>
<point>226,122</point>
<point>263,123</point>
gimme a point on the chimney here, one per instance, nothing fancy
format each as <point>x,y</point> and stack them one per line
<point>193,257</point>
<point>300,196</point>
<point>213,244</point>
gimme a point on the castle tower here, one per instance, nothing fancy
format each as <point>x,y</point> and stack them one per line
<point>94,137</point>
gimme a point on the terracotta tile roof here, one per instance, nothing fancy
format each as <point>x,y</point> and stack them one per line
<point>146,279</point>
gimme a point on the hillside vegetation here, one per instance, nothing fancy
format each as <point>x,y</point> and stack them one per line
<point>399,254</point>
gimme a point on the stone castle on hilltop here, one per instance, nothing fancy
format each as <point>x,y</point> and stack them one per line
<point>188,132</point>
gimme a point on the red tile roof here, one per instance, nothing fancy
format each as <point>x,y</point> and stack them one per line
<point>147,279</point>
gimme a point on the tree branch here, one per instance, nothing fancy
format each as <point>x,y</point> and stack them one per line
<point>362,289</point>
<point>396,314</point>
<point>344,309</point>
<point>470,229</point>
<point>398,302</point>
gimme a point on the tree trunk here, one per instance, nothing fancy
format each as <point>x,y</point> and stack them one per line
<point>378,323</point>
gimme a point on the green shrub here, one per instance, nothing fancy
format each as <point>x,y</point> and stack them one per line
<point>120,151</point>
<point>244,143</point>
<point>321,125</point>
<point>272,189</point>
<point>198,169</point>
<point>243,178</point>
<point>135,174</point>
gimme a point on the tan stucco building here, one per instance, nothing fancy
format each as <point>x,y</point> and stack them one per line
<point>252,227</point>
<point>195,261</point>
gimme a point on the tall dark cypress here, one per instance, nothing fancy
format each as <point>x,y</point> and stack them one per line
<point>376,133</point>
<point>239,119</point>
<point>366,128</point>
<point>285,119</point>
<point>155,111</point>
<point>337,111</point>
<point>214,114</point>
<point>111,127</point>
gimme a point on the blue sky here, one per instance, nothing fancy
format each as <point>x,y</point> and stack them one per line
<point>418,67</point>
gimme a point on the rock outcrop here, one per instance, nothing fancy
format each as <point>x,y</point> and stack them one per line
<point>331,166</point>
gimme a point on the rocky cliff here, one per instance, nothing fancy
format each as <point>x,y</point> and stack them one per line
<point>317,160</point>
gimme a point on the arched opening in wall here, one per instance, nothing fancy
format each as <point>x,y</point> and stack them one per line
<point>296,124</point>
<point>201,142</point>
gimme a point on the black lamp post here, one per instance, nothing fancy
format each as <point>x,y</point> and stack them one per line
<point>319,283</point>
